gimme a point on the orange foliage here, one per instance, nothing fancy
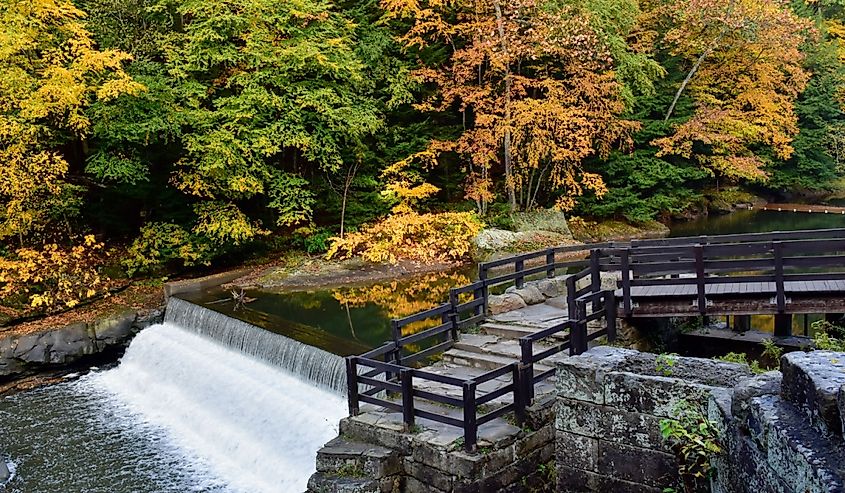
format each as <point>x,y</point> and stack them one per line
<point>536,85</point>
<point>748,77</point>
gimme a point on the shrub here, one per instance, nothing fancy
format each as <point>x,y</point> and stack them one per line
<point>425,237</point>
<point>53,278</point>
<point>162,243</point>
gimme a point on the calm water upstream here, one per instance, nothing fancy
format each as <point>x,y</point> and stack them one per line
<point>183,414</point>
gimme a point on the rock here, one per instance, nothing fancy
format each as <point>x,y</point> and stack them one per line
<point>496,239</point>
<point>812,382</point>
<point>114,328</point>
<point>543,220</point>
<point>5,474</point>
<point>507,302</point>
<point>766,384</point>
<point>530,294</point>
<point>549,288</point>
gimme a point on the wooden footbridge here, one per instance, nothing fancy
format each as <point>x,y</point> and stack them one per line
<point>779,273</point>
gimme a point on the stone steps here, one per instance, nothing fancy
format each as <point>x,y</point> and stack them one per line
<point>355,467</point>
<point>483,361</point>
<point>514,331</point>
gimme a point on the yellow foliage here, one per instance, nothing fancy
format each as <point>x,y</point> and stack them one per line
<point>53,278</point>
<point>404,299</point>
<point>50,72</point>
<point>443,236</point>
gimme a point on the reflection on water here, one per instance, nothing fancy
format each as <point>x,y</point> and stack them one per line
<point>756,221</point>
<point>344,320</point>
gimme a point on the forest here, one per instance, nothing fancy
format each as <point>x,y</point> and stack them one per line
<point>141,136</point>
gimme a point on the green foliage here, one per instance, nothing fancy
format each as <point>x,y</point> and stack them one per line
<point>742,358</point>
<point>160,244</point>
<point>828,337</point>
<point>664,363</point>
<point>695,440</point>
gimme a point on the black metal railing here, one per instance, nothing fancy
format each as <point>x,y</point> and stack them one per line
<point>386,376</point>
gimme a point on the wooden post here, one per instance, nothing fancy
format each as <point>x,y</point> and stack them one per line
<point>550,263</point>
<point>482,276</point>
<point>780,292</point>
<point>610,314</point>
<point>578,336</point>
<point>407,378</point>
<point>742,323</point>
<point>519,398</point>
<point>699,278</point>
<point>625,267</point>
<point>470,426</point>
<point>396,331</point>
<point>454,316</point>
<point>352,384</point>
<point>595,276</point>
<point>526,348</point>
<point>519,266</point>
<point>783,324</point>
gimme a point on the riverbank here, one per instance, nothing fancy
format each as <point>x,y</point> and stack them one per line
<point>45,350</point>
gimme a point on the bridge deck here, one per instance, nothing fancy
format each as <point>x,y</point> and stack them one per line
<point>743,288</point>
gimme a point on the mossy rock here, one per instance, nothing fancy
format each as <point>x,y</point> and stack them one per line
<point>542,220</point>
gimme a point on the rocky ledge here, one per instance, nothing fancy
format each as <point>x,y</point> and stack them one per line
<point>54,348</point>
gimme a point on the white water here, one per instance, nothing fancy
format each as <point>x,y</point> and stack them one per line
<point>310,363</point>
<point>255,426</point>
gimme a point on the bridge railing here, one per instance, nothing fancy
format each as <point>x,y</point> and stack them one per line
<point>388,376</point>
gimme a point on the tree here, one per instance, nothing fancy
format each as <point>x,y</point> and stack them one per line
<point>536,86</point>
<point>50,72</point>
<point>745,73</point>
<point>269,95</point>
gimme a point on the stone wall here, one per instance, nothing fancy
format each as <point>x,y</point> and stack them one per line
<point>373,454</point>
<point>57,347</point>
<point>781,431</point>
<point>610,403</point>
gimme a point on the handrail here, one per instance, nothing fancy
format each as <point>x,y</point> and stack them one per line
<point>760,257</point>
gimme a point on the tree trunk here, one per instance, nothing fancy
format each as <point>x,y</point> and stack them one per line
<point>692,72</point>
<point>509,181</point>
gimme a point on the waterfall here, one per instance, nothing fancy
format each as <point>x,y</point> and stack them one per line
<point>313,364</point>
<point>255,426</point>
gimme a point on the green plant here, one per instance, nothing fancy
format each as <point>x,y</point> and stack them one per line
<point>350,470</point>
<point>695,440</point>
<point>827,336</point>
<point>742,358</point>
<point>771,351</point>
<point>664,363</point>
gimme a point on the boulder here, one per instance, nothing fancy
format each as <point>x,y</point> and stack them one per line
<point>496,239</point>
<point>5,474</point>
<point>530,294</point>
<point>507,302</point>
<point>812,382</point>
<point>542,220</point>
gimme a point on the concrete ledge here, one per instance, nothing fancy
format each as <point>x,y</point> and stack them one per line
<point>176,288</point>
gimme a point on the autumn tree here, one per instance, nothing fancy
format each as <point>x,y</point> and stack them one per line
<point>269,94</point>
<point>745,71</point>
<point>535,84</point>
<point>50,72</point>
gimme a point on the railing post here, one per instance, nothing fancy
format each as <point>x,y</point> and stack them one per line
<point>519,266</point>
<point>406,376</point>
<point>699,279</point>
<point>485,293</point>
<point>595,276</point>
<point>352,384</point>
<point>396,331</point>
<point>780,292</point>
<point>626,282</point>
<point>526,347</point>
<point>610,314</point>
<point>571,309</point>
<point>579,330</point>
<point>550,263</point>
<point>454,316</point>
<point>470,426</point>
<point>519,401</point>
